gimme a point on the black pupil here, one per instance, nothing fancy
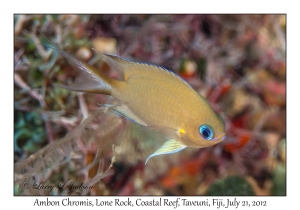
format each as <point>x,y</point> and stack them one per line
<point>206,133</point>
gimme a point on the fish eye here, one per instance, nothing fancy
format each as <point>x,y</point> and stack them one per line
<point>206,131</point>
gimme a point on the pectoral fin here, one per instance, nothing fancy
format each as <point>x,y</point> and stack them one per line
<point>123,110</point>
<point>169,147</point>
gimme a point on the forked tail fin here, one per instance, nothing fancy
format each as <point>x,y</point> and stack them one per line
<point>89,79</point>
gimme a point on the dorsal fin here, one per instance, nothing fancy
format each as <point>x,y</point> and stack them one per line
<point>116,63</point>
<point>121,65</point>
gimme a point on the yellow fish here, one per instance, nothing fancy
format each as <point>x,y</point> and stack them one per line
<point>153,96</point>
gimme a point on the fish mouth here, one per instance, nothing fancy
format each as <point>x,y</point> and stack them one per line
<point>219,139</point>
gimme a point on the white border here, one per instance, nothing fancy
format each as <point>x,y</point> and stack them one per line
<point>154,6</point>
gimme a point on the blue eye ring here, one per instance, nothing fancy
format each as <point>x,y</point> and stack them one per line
<point>206,131</point>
